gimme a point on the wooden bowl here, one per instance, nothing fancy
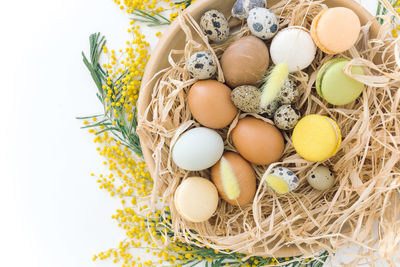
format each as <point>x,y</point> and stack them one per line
<point>174,38</point>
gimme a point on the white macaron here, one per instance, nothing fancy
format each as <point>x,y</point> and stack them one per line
<point>294,46</point>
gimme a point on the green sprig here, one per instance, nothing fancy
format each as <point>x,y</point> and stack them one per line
<point>122,129</point>
<point>382,10</point>
<point>98,74</point>
<point>151,20</point>
<point>219,259</point>
<point>186,2</point>
<point>154,18</point>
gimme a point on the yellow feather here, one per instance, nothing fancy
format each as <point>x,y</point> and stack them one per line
<point>274,84</point>
<point>229,180</point>
<point>277,184</point>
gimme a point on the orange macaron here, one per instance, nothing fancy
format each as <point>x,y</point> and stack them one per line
<point>335,30</point>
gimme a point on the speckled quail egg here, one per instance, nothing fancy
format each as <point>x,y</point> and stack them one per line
<point>282,180</point>
<point>215,25</point>
<point>321,178</point>
<point>201,65</point>
<point>241,8</point>
<point>262,23</point>
<point>247,99</point>
<point>286,117</point>
<point>289,93</point>
<point>270,109</point>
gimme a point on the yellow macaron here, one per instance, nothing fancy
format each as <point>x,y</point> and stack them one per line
<point>316,137</point>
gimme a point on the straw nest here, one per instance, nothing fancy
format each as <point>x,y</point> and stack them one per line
<point>367,166</point>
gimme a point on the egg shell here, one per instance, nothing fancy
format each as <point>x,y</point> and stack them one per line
<point>198,149</point>
<point>235,179</point>
<point>289,93</point>
<point>245,61</point>
<point>247,99</point>
<point>241,8</point>
<point>270,109</point>
<point>321,178</point>
<point>294,46</point>
<point>201,65</point>
<point>262,23</point>
<point>286,117</point>
<point>196,199</point>
<point>258,141</point>
<point>215,25</point>
<point>210,103</point>
<point>282,180</point>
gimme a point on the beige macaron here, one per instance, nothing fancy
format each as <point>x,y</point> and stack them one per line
<point>335,30</point>
<point>196,199</point>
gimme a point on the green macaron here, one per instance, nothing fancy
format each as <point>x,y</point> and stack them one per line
<point>335,86</point>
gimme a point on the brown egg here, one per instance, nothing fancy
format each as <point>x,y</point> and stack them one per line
<point>258,141</point>
<point>210,103</point>
<point>245,61</point>
<point>235,179</point>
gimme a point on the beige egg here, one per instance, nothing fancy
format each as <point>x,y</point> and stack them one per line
<point>258,141</point>
<point>196,199</point>
<point>210,103</point>
<point>235,179</point>
<point>245,61</point>
<point>321,178</point>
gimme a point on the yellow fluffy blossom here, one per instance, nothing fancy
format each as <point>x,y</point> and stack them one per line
<point>396,28</point>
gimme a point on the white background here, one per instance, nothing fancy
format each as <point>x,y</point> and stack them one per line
<point>52,212</point>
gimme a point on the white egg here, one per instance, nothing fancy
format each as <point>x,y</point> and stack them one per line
<point>321,178</point>
<point>198,149</point>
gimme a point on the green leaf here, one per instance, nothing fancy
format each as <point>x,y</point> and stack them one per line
<point>88,117</point>
<point>107,129</point>
<point>97,44</point>
<point>151,20</point>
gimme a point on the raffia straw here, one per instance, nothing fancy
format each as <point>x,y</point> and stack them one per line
<point>367,166</point>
